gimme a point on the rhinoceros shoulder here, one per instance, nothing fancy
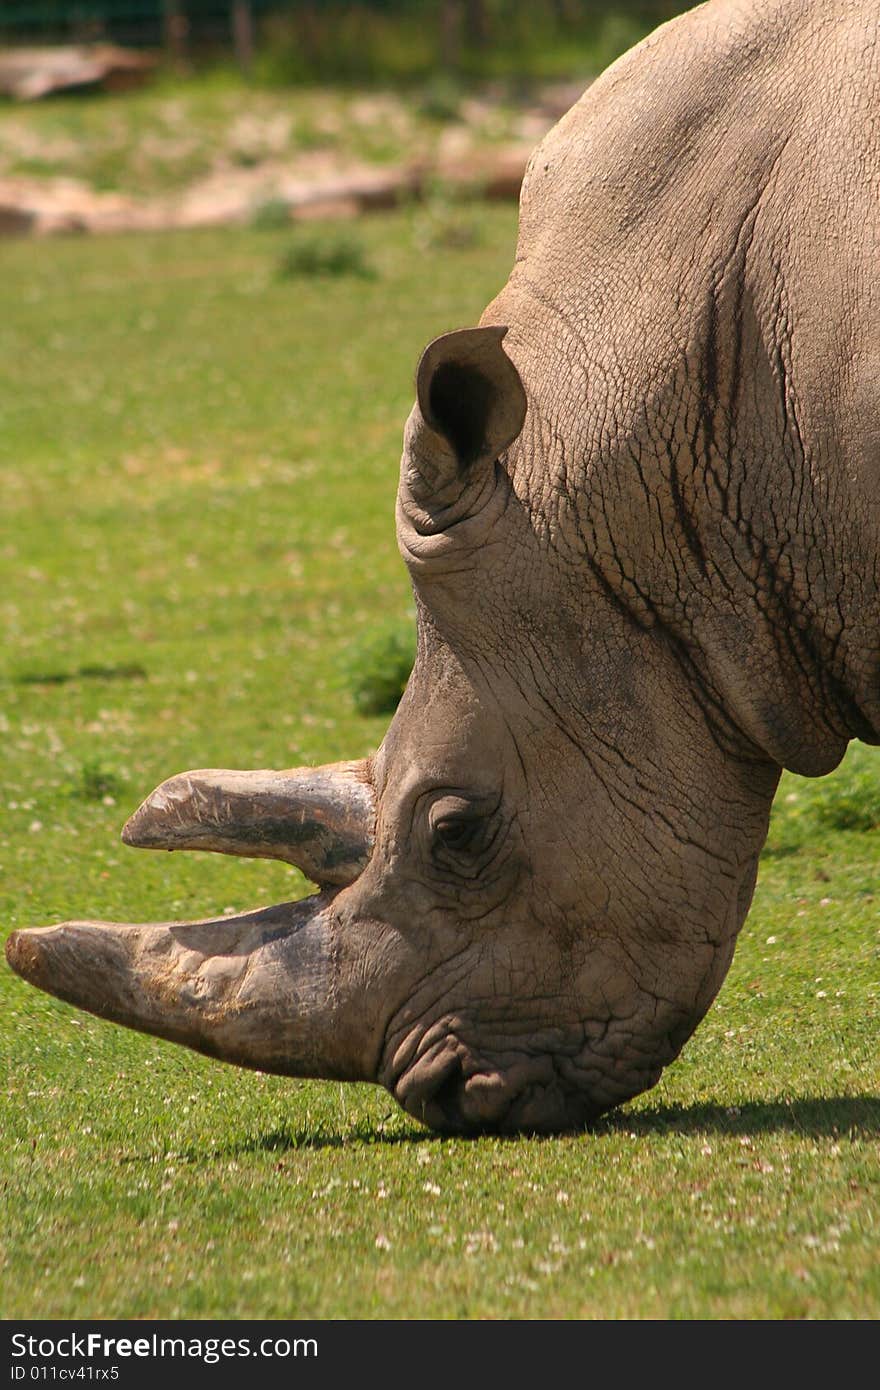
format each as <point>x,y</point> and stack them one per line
<point>707,104</point>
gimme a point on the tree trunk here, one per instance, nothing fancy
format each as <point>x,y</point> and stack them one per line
<point>476,23</point>
<point>243,34</point>
<point>175,33</point>
<point>450,32</point>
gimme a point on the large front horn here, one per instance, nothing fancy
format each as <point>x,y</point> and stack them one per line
<point>283,989</point>
<point>320,819</point>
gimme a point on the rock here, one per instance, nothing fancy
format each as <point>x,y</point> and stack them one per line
<point>26,74</point>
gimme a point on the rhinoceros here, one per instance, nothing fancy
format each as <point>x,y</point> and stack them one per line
<point>639,506</point>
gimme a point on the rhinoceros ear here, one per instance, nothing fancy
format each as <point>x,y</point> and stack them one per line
<point>471,396</point>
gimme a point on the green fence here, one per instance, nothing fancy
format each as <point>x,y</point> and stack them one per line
<point>138,22</point>
<point>148,20</point>
<point>351,40</point>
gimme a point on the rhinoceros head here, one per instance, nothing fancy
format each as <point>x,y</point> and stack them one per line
<point>530,895</point>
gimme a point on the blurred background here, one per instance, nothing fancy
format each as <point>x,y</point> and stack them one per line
<point>207,112</point>
<point>305,40</point>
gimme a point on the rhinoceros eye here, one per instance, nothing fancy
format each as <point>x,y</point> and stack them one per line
<point>459,829</point>
<point>459,834</point>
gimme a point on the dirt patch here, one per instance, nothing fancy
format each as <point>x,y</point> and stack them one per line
<point>47,207</point>
<point>301,155</point>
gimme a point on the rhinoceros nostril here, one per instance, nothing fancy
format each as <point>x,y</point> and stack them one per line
<point>447,1096</point>
<point>431,1090</point>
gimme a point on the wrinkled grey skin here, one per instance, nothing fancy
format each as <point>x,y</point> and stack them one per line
<point>646,580</point>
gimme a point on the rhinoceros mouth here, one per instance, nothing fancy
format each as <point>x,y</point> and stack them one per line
<point>524,1082</point>
<point>455,1088</point>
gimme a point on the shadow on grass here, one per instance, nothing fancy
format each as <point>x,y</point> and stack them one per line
<point>284,1139</point>
<point>832,1117</point>
<point>85,673</point>
<point>826,1117</point>
<point>782,851</point>
<point>287,1139</point>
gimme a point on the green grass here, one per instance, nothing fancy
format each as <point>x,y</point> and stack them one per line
<point>197,473</point>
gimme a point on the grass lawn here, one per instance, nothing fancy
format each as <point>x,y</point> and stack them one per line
<point>197,469</point>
